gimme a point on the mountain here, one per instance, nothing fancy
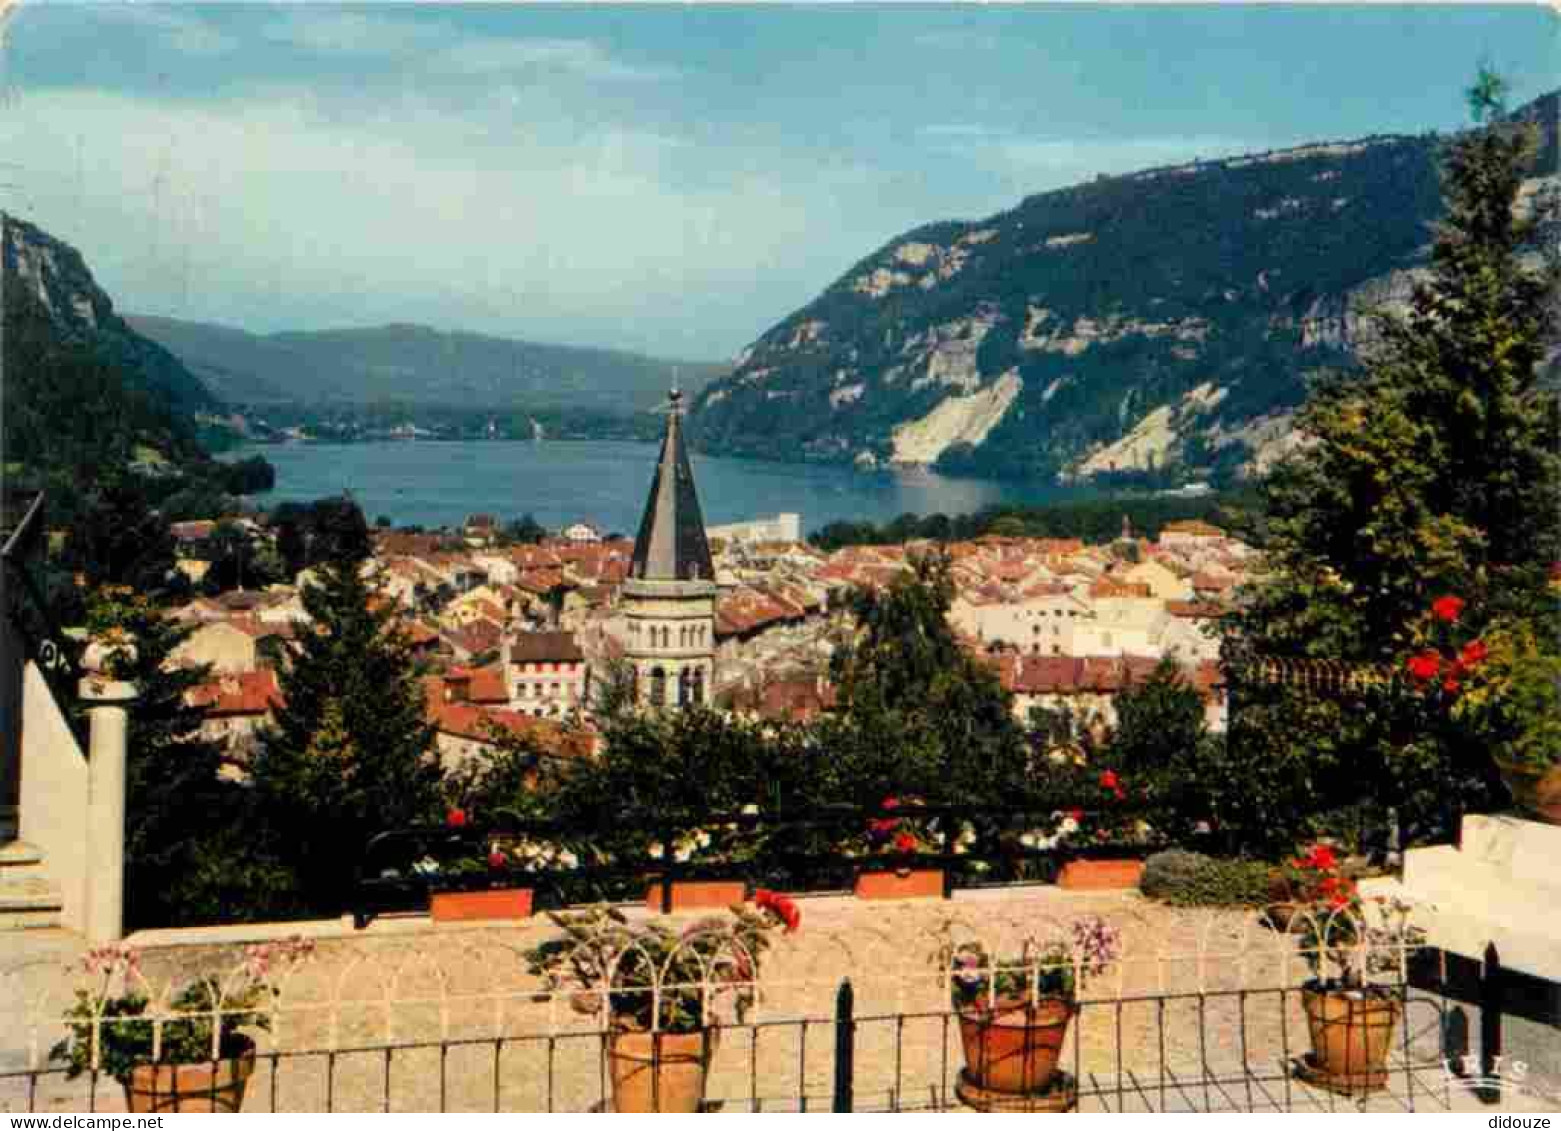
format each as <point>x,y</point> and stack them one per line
<point>1160,321</point>
<point>83,391</point>
<point>417,365</point>
<point>48,281</point>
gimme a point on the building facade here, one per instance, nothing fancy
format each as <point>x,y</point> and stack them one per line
<point>668,599</point>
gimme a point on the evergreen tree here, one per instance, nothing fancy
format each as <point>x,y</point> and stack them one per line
<point>351,753</point>
<point>920,713</point>
<point>1435,471</point>
<point>175,803</point>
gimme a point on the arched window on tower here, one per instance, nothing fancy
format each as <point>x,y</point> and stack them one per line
<point>685,687</point>
<point>697,690</point>
<point>658,688</point>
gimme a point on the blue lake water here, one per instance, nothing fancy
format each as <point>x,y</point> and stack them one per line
<point>605,482</point>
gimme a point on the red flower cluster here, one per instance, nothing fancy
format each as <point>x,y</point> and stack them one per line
<point>1323,884</point>
<point>497,860</point>
<point>905,842</point>
<point>1447,609</point>
<point>455,818</point>
<point>782,907</point>
<point>1109,780</point>
<point>883,826</point>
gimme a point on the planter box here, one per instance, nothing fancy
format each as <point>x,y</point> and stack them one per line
<point>202,1087</point>
<point>466,906</point>
<point>915,883</point>
<point>1100,875</point>
<point>697,895</point>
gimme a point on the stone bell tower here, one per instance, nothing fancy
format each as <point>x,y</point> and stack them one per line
<point>669,595</point>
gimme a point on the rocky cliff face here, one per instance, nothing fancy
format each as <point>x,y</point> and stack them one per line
<point>1162,321</point>
<point>47,281</point>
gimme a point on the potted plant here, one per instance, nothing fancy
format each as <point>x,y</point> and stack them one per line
<point>887,847</point>
<point>1014,1013</point>
<point>1090,873</point>
<point>1302,884</point>
<point>1350,1016</point>
<point>494,878</point>
<point>1511,699</point>
<point>716,847</point>
<point>191,1055</point>
<point>660,991</point>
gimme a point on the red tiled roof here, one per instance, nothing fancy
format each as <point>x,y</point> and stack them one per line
<point>245,693</point>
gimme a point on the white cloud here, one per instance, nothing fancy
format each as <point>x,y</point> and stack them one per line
<point>436,47</point>
<point>264,212</point>
<point>1035,159</point>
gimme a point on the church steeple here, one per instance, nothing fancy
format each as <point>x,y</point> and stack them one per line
<point>671,545</point>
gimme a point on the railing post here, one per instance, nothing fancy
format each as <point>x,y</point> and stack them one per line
<point>845,1047</point>
<point>1491,1003</point>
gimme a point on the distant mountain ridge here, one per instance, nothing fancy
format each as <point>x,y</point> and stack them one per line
<point>417,365</point>
<point>1159,322</point>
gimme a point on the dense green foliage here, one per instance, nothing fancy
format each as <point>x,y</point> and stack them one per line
<point>1094,520</point>
<point>1434,473</point>
<point>1191,879</point>
<point>350,753</point>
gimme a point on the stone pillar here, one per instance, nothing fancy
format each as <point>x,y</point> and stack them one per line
<point>108,703</point>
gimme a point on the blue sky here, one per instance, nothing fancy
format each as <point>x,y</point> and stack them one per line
<point>673,179</point>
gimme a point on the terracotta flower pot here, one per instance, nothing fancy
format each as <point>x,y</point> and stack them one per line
<point>1535,791</point>
<point>465,906</point>
<point>1100,875</point>
<point>1285,916</point>
<point>1351,1037</point>
<point>202,1087</point>
<point>659,1072</point>
<point>1012,1046</point>
<point>910,883</point>
<point>697,895</point>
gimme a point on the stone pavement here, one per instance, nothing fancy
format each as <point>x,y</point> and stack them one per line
<point>1202,1013</point>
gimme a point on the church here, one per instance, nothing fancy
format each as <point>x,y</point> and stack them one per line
<point>668,599</point>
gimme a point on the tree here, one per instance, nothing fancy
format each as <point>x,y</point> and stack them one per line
<point>351,753</point>
<point>118,539</point>
<point>1434,471</point>
<point>175,804</point>
<point>919,712</point>
<point>526,530</point>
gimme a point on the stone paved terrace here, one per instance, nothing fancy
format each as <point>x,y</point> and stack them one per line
<point>413,1016</point>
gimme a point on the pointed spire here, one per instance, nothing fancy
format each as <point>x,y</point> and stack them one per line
<point>671,545</point>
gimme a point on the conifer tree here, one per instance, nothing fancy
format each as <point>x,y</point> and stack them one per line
<point>1434,471</point>
<point>351,752</point>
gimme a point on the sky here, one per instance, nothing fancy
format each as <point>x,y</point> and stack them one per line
<point>669,179</point>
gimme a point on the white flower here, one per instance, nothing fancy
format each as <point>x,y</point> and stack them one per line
<point>959,848</point>
<point>1028,839</point>
<point>750,810</point>
<point>702,839</point>
<point>1069,825</point>
<point>655,849</point>
<point>681,855</point>
<point>568,859</point>
<point>427,866</point>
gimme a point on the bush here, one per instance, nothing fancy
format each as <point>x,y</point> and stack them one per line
<point>1191,879</point>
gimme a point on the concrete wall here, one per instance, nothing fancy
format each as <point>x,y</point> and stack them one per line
<point>54,796</point>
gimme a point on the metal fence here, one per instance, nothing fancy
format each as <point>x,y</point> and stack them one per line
<point>1199,1013</point>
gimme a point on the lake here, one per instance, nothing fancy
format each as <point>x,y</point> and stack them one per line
<point>605,482</point>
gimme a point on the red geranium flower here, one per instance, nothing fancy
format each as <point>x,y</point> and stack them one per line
<point>1108,780</point>
<point>497,859</point>
<point>1076,815</point>
<point>1425,665</point>
<point>1473,653</point>
<point>1447,608</point>
<point>891,803</point>
<point>1322,858</point>
<point>905,842</point>
<point>455,818</point>
<point>1450,686</point>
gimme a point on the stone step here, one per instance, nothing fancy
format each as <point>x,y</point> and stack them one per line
<point>29,897</point>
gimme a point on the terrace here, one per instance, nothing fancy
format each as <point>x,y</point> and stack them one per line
<point>1201,1012</point>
